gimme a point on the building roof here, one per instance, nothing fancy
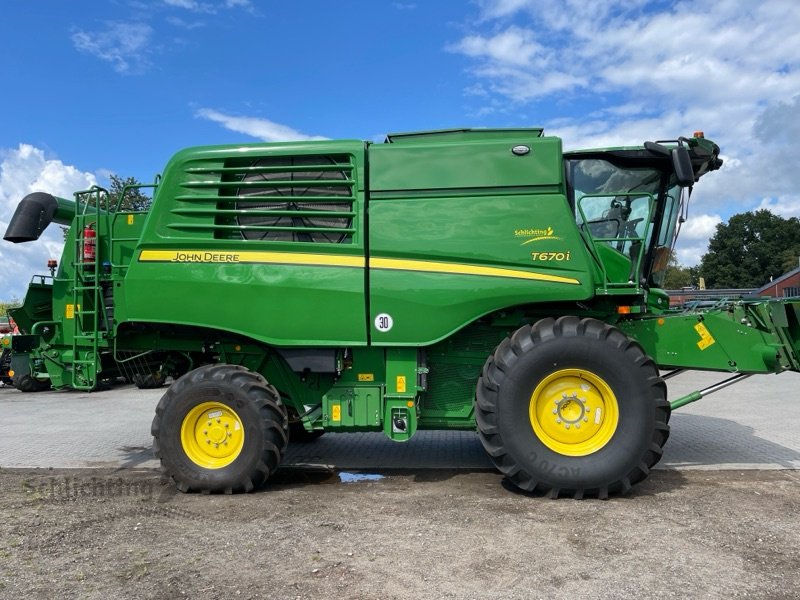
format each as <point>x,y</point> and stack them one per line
<point>777,281</point>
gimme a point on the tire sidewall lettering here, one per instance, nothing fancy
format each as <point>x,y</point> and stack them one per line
<point>629,441</point>
<point>190,391</point>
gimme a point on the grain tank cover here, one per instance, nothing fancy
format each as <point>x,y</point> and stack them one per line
<point>462,135</point>
<point>467,160</point>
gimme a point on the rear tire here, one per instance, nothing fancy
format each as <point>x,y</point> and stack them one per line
<point>298,433</point>
<point>572,407</point>
<point>5,365</point>
<point>149,381</point>
<point>220,428</point>
<point>28,384</point>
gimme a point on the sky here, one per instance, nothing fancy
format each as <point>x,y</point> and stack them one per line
<point>118,86</point>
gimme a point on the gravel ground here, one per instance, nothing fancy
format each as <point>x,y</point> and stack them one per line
<point>101,534</point>
<point>426,519</point>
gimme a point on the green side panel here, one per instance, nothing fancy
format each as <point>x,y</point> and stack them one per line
<point>453,259</point>
<point>365,366</point>
<point>209,258</point>
<point>454,367</point>
<point>430,165</point>
<point>617,265</point>
<point>401,373</point>
<point>37,306</point>
<point>352,409</point>
<point>126,231</point>
<point>785,317</point>
<point>275,304</point>
<point>740,338</point>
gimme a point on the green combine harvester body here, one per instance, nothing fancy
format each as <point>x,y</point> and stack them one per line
<point>298,288</point>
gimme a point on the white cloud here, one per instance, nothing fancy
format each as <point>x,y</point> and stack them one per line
<point>786,207</point>
<point>208,7</point>
<point>263,129</point>
<point>187,4</point>
<point>22,171</point>
<point>493,9</point>
<point>652,70</point>
<point>700,227</point>
<point>127,46</point>
<point>514,46</point>
<point>184,24</point>
<point>694,236</point>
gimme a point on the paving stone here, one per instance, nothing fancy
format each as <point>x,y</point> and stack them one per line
<point>751,425</point>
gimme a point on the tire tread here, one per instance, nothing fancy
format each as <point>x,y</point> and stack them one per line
<point>523,340</point>
<point>273,424</point>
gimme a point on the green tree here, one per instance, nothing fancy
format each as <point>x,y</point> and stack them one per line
<point>751,249</point>
<point>133,198</point>
<point>6,305</point>
<point>677,276</point>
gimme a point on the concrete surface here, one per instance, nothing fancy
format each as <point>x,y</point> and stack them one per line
<point>751,425</point>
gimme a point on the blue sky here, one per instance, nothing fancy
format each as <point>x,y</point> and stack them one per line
<point>91,88</point>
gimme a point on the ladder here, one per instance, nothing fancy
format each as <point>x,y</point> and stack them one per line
<point>87,299</point>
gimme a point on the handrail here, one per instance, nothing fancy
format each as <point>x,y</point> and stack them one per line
<point>592,240</point>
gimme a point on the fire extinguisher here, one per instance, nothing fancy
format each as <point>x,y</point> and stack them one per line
<point>89,243</point>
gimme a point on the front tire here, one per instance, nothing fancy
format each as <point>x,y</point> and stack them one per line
<point>220,428</point>
<point>572,407</point>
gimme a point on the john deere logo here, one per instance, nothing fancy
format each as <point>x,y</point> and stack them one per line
<point>536,234</point>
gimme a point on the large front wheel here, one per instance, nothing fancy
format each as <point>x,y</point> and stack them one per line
<point>572,407</point>
<point>220,428</point>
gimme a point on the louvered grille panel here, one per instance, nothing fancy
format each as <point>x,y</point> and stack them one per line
<point>297,198</point>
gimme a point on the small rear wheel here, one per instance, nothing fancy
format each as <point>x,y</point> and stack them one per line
<point>220,428</point>
<point>149,381</point>
<point>298,433</point>
<point>572,407</point>
<point>5,364</point>
<point>27,383</point>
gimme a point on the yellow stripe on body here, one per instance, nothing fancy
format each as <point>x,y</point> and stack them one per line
<point>335,260</point>
<point>460,269</point>
<point>234,257</point>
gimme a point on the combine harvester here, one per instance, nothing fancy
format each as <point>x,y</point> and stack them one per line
<point>459,279</point>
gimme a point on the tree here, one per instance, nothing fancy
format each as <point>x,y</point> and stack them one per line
<point>5,306</point>
<point>133,198</point>
<point>677,276</point>
<point>750,250</point>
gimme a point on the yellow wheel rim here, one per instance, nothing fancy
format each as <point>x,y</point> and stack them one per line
<point>212,435</point>
<point>574,412</point>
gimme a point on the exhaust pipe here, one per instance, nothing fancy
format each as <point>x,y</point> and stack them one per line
<point>34,213</point>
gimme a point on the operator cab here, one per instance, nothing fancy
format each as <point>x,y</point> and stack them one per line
<point>629,204</point>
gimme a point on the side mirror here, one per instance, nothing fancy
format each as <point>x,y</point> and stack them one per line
<point>682,164</point>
